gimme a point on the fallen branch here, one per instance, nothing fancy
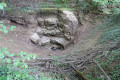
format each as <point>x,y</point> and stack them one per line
<point>105,74</point>
<point>79,73</point>
<point>88,59</point>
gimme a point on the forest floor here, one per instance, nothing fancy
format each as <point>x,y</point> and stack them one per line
<point>18,40</point>
<point>85,45</point>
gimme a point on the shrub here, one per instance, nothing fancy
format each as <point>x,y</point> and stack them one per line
<point>98,6</point>
<point>108,6</point>
<point>13,66</point>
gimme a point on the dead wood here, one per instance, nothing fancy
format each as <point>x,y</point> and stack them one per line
<point>104,73</point>
<point>79,73</point>
<point>63,65</point>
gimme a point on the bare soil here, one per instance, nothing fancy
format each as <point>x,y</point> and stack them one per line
<point>18,40</point>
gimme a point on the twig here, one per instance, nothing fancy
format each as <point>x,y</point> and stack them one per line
<point>88,59</point>
<point>106,76</point>
<point>58,68</point>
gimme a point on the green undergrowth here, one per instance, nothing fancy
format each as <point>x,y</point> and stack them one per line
<point>55,9</point>
<point>111,29</point>
<point>53,5</point>
<point>15,67</point>
<point>110,32</point>
<point>110,64</point>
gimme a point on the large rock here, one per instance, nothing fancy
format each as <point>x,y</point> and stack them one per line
<point>51,33</point>
<point>35,38</point>
<point>32,21</point>
<point>19,19</point>
<point>59,41</point>
<point>69,22</point>
<point>40,22</point>
<point>56,29</point>
<point>44,41</point>
<point>39,31</point>
<point>51,21</point>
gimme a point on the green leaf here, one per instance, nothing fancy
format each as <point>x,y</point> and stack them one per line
<point>7,53</point>
<point>4,4</point>
<point>1,6</point>
<point>18,60</point>
<point>16,64</point>
<point>8,60</point>
<point>11,55</point>
<point>1,29</point>
<point>9,66</point>
<point>34,57</point>
<point>18,75</point>
<point>28,58</point>
<point>4,49</point>
<point>1,55</point>
<point>22,66</point>
<point>12,27</point>
<point>5,31</point>
<point>3,61</point>
<point>1,22</point>
<point>26,66</point>
<point>117,1</point>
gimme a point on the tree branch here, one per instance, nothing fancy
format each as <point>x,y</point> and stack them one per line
<point>106,76</point>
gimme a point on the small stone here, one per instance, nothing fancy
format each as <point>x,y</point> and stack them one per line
<point>51,32</point>
<point>59,41</point>
<point>35,38</point>
<point>44,41</point>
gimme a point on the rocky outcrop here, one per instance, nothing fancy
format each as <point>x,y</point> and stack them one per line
<point>59,41</point>
<point>54,27</point>
<point>27,18</point>
<point>69,23</point>
<point>31,20</point>
<point>57,29</point>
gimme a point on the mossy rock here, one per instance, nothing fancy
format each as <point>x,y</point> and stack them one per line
<point>9,12</point>
<point>21,12</point>
<point>31,12</point>
<point>47,11</point>
<point>52,11</point>
<point>67,9</point>
<point>55,9</point>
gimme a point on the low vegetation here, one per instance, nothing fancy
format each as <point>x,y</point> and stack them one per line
<point>109,62</point>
